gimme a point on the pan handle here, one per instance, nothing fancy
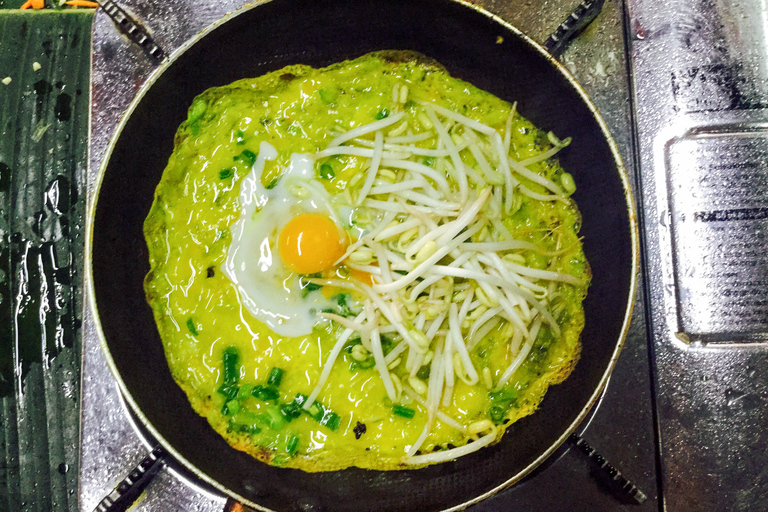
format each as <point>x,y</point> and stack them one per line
<point>129,489</point>
<point>573,25</point>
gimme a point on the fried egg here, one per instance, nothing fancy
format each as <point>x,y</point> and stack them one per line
<point>283,233</point>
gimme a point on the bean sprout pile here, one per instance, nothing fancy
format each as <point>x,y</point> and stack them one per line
<point>446,271</point>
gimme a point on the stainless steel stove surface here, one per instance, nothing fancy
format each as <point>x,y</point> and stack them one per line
<point>682,86</point>
<point>701,88</point>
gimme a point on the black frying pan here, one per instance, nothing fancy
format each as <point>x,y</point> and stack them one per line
<point>281,32</point>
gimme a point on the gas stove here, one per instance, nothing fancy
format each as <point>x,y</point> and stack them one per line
<point>685,100</point>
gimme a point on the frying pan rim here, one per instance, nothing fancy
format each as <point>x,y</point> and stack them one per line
<point>558,67</point>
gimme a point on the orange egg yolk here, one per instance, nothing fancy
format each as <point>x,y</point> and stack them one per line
<point>311,243</point>
<point>363,277</point>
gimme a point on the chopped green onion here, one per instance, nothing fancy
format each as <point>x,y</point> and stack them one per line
<point>240,137</point>
<point>233,406</point>
<point>381,114</point>
<point>290,411</point>
<point>387,344</point>
<point>503,395</point>
<point>275,377</point>
<point>405,412</point>
<point>231,359</point>
<point>226,173</point>
<point>501,401</point>
<point>344,309</point>
<point>272,184</point>
<point>244,417</point>
<point>192,327</point>
<point>245,391</point>
<point>307,288</point>
<point>331,420</point>
<point>292,445</point>
<point>230,388</point>
<point>247,157</point>
<point>251,429</point>
<point>496,413</point>
<point>328,95</point>
<point>244,422</point>
<point>315,411</point>
<point>429,161</point>
<point>320,413</point>
<point>274,418</point>
<point>423,373</point>
<point>196,110</point>
<point>265,393</point>
<point>367,364</point>
<point>326,172</point>
<point>230,391</point>
<point>351,344</point>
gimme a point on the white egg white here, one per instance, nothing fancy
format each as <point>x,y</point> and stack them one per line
<point>268,289</point>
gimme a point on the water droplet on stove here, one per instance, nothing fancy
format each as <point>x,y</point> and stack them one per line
<point>256,488</point>
<point>732,397</point>
<point>63,468</point>
<point>60,195</point>
<point>309,505</point>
